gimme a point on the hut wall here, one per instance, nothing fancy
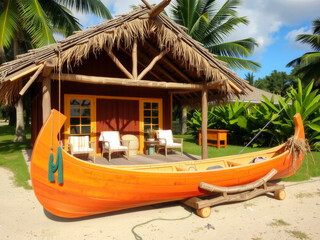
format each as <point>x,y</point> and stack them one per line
<point>119,115</point>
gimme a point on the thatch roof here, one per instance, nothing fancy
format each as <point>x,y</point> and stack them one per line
<point>255,96</point>
<point>188,54</point>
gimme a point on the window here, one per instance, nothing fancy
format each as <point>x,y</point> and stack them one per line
<point>80,116</point>
<point>150,116</point>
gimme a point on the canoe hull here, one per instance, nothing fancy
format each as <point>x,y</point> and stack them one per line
<point>89,189</point>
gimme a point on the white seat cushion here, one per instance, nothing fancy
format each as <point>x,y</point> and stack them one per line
<point>166,134</point>
<point>112,137</point>
<point>83,150</point>
<point>79,143</point>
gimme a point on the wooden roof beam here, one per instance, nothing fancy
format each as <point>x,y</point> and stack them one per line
<point>32,79</point>
<point>23,72</point>
<point>170,64</point>
<point>159,8</point>
<point>125,82</point>
<point>118,63</point>
<point>140,63</point>
<point>152,63</point>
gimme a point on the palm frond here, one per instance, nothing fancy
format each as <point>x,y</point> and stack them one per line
<point>88,6</point>
<point>61,17</point>
<point>228,9</point>
<point>199,27</point>
<point>240,48</point>
<point>239,63</point>
<point>316,26</point>
<point>311,58</point>
<point>9,19</point>
<point>216,33</point>
<point>312,40</point>
<point>36,22</point>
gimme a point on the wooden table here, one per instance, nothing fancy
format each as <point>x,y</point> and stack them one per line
<point>148,143</point>
<point>215,137</point>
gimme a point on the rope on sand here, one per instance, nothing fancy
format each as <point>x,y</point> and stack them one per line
<point>138,237</point>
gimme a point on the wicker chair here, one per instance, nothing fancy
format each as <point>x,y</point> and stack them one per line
<point>111,143</point>
<point>167,141</point>
<point>81,145</point>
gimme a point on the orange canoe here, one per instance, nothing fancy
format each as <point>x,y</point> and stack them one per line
<point>89,188</point>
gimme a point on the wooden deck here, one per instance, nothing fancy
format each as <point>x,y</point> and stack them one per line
<point>141,159</point>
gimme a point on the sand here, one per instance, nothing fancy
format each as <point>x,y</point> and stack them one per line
<point>22,217</point>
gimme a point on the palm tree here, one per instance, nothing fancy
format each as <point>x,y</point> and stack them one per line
<point>250,78</point>
<point>308,65</point>
<point>37,20</point>
<point>211,26</point>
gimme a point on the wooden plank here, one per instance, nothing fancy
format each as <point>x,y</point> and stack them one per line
<point>118,63</point>
<point>125,82</point>
<point>204,148</point>
<point>159,8</point>
<point>31,80</point>
<point>152,63</point>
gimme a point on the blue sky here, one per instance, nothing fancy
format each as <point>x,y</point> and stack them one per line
<point>273,23</point>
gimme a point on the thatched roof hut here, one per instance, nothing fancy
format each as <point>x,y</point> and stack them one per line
<point>141,51</point>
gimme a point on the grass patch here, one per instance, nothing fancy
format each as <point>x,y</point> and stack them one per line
<point>191,147</point>
<point>11,156</point>
<point>298,234</point>
<point>307,166</point>
<point>278,223</point>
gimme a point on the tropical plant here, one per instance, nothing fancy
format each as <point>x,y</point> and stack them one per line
<point>211,26</point>
<point>309,63</point>
<point>245,122</point>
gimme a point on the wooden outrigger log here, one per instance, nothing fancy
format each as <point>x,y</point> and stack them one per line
<point>234,194</point>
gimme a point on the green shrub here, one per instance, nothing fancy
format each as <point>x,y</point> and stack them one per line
<point>245,121</point>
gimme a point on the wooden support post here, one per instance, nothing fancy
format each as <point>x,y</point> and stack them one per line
<point>153,62</point>
<point>204,149</point>
<point>135,59</point>
<point>118,63</point>
<point>46,98</point>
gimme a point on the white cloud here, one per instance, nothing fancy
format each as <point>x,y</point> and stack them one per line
<point>267,17</point>
<point>292,36</point>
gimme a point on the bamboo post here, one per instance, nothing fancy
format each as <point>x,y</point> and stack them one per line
<point>46,98</point>
<point>204,149</point>
<point>135,59</point>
